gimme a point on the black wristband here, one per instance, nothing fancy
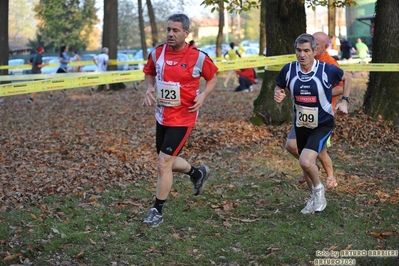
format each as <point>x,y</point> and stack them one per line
<point>346,98</point>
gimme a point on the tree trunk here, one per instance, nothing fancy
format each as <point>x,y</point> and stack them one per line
<point>286,20</point>
<point>110,29</point>
<point>142,32</point>
<point>219,38</point>
<point>262,25</point>
<point>331,18</point>
<point>4,36</point>
<point>153,23</point>
<point>110,35</point>
<point>382,95</point>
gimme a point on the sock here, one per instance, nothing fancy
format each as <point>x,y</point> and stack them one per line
<point>159,205</point>
<point>318,187</point>
<point>194,173</point>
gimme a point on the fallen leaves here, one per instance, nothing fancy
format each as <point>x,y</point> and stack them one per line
<point>244,220</point>
<point>12,257</point>
<point>84,145</point>
<point>79,255</point>
<point>224,206</point>
<point>383,234</point>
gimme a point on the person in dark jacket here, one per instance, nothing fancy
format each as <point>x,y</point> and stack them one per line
<point>246,78</point>
<point>37,64</point>
<point>346,49</point>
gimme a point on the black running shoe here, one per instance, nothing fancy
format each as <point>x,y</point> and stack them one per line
<point>200,183</point>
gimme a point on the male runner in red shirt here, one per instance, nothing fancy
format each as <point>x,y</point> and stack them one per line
<point>172,76</point>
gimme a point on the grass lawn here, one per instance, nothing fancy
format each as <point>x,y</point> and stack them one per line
<point>78,176</point>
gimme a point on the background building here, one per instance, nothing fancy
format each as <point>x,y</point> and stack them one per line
<point>358,28</point>
<point>347,21</point>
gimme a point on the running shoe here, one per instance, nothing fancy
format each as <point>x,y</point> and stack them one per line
<point>331,183</point>
<point>320,202</point>
<point>200,183</point>
<point>153,219</point>
<point>225,84</point>
<point>309,206</point>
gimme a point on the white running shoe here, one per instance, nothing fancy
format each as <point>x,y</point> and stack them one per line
<point>320,202</point>
<point>309,206</point>
<point>153,219</point>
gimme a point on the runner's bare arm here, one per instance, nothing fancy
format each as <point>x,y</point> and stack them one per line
<point>149,98</point>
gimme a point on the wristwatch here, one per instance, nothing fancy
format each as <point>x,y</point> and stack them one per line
<point>346,98</point>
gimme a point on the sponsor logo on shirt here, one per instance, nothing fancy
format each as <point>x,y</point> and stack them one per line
<point>305,92</point>
<point>306,99</point>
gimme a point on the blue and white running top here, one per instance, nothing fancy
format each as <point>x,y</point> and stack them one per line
<point>311,92</point>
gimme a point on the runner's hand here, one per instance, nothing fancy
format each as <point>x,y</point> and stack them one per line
<point>198,102</point>
<point>149,98</point>
<point>279,95</point>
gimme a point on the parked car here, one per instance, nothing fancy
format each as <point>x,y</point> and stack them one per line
<point>93,67</point>
<point>252,43</point>
<point>250,51</point>
<point>211,52</point>
<point>52,68</point>
<point>121,58</point>
<point>54,62</point>
<point>139,56</point>
<point>16,71</point>
<point>130,52</point>
<point>210,49</point>
<point>46,59</point>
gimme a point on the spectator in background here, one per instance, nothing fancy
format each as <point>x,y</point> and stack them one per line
<point>241,48</point>
<point>246,78</point>
<point>192,43</point>
<point>334,44</point>
<point>64,60</point>
<point>37,64</point>
<point>101,62</point>
<point>63,68</point>
<point>362,50</point>
<point>232,55</point>
<point>346,49</point>
<point>333,47</point>
<point>76,57</point>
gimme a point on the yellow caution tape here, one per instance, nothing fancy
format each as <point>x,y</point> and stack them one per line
<point>73,81</point>
<point>77,63</point>
<point>32,77</point>
<point>246,62</point>
<point>371,67</point>
<point>255,61</point>
<point>39,82</point>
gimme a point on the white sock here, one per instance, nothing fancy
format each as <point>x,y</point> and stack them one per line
<point>318,187</point>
